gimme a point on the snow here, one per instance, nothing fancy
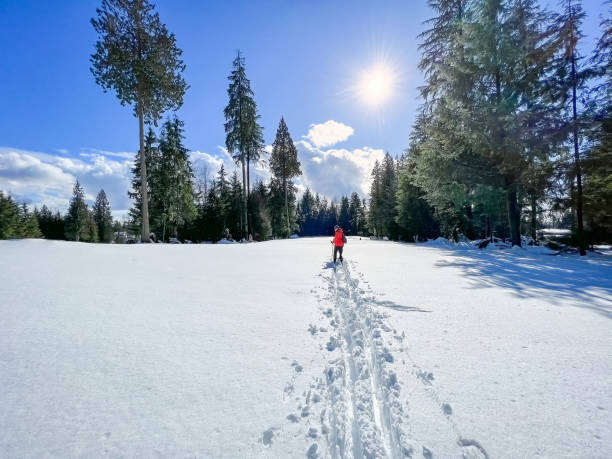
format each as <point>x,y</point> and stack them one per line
<point>227,241</point>
<point>268,350</point>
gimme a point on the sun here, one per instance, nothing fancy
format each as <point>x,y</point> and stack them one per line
<point>376,85</point>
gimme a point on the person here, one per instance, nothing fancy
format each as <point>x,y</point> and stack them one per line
<point>338,242</point>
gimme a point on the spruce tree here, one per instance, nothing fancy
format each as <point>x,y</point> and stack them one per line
<point>487,121</point>
<point>235,203</point>
<point>284,165</point>
<point>344,218</point>
<point>258,203</point>
<point>173,180</point>
<point>224,198</point>
<point>103,217</point>
<point>17,221</point>
<point>573,75</point>
<point>376,201</point>
<point>414,214</point>
<point>138,58</point>
<point>151,154</point>
<point>307,214</point>
<point>357,214</point>
<point>76,222</point>
<point>244,138</point>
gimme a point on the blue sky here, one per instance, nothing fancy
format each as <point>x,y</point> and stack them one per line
<point>303,59</point>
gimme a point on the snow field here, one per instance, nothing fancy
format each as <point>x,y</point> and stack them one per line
<point>268,350</point>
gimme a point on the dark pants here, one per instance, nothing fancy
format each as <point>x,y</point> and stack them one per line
<point>336,251</point>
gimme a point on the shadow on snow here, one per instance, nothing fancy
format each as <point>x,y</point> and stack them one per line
<point>587,281</point>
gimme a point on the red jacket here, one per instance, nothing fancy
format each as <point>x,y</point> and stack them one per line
<point>339,238</point>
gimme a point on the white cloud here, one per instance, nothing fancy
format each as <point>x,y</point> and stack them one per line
<point>40,178</point>
<point>337,172</point>
<point>206,163</point>
<point>118,154</point>
<point>32,180</point>
<point>329,133</point>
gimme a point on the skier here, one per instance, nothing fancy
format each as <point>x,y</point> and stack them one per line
<point>338,242</point>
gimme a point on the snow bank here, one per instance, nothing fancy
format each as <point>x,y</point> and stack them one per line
<point>226,241</point>
<point>439,242</point>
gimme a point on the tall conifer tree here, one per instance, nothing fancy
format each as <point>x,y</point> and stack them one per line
<point>284,165</point>
<point>103,217</point>
<point>138,58</point>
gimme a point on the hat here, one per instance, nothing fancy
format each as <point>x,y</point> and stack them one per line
<point>336,227</point>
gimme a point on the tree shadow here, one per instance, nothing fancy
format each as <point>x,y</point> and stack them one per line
<point>398,307</point>
<point>587,282</point>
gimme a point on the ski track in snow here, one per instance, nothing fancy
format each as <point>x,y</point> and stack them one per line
<point>356,409</point>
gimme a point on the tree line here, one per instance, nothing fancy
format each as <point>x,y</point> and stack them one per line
<point>79,224</point>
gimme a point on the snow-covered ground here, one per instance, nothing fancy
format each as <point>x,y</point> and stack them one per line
<point>266,350</point>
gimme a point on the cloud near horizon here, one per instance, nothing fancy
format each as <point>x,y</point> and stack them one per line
<point>38,178</point>
<point>328,134</point>
<point>337,172</point>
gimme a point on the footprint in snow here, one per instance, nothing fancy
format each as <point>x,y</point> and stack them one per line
<point>447,409</point>
<point>297,367</point>
<point>332,343</point>
<point>268,435</point>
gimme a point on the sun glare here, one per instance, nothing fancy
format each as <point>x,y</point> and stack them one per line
<point>376,85</point>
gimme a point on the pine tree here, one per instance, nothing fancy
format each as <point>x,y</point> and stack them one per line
<point>376,198</point>
<point>573,78</point>
<point>344,218</point>
<point>138,58</point>
<point>173,189</point>
<point>307,214</point>
<point>258,198</point>
<point>17,221</point>
<point>598,163</point>
<point>235,203</point>
<point>487,122</point>
<point>76,222</point>
<point>244,138</point>
<point>284,165</point>
<point>415,216</point>
<point>224,198</point>
<point>51,225</point>
<point>103,217</point>
<point>151,154</point>
<point>212,220</point>
<point>388,203</point>
<point>9,217</point>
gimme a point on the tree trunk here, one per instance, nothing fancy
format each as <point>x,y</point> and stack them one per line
<point>144,236</point>
<point>287,209</point>
<point>580,235</point>
<point>248,177</point>
<point>534,217</point>
<point>244,186</point>
<point>246,201</point>
<point>514,217</point>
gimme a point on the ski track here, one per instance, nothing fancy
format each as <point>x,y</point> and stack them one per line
<point>355,408</point>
